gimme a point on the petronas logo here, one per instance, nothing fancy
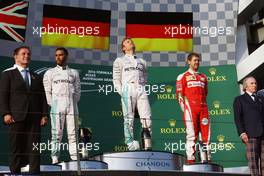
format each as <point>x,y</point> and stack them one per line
<point>212,71</point>
<point>216,104</point>
<point>220,138</point>
<point>172,122</point>
<point>168,88</point>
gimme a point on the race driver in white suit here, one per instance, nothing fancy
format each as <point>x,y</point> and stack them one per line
<point>62,87</point>
<point>129,79</point>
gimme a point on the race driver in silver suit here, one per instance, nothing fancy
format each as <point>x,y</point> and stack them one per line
<point>129,79</point>
<point>62,87</point>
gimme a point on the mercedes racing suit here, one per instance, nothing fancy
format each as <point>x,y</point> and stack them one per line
<point>191,93</point>
<point>62,87</point>
<point>129,79</point>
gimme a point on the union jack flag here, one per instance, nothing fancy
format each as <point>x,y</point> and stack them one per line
<point>13,19</point>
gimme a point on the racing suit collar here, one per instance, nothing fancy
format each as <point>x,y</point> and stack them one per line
<point>62,68</point>
<point>193,72</point>
<point>131,56</point>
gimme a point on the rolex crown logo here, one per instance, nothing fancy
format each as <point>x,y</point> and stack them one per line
<point>172,122</point>
<point>216,104</point>
<point>168,88</point>
<point>220,138</point>
<point>212,71</point>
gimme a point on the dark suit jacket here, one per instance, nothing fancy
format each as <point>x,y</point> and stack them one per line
<point>249,115</point>
<point>17,100</point>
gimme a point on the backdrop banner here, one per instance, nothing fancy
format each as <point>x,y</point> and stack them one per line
<point>100,110</point>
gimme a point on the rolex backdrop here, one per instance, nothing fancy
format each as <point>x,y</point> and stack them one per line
<point>100,110</point>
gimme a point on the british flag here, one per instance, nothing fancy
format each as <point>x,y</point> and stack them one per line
<point>13,19</point>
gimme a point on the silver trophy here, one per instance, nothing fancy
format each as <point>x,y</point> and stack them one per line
<point>146,137</point>
<point>85,136</point>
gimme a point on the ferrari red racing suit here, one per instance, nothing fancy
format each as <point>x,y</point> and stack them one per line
<point>191,91</point>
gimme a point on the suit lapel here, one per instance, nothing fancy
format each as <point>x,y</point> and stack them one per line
<point>248,97</point>
<point>19,77</point>
<point>32,79</point>
<point>257,103</point>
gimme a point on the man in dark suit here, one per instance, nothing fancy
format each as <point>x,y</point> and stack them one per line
<point>23,107</point>
<point>249,119</point>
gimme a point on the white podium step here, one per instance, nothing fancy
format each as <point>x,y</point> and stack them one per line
<point>51,167</point>
<point>48,167</point>
<point>203,167</point>
<point>4,169</point>
<point>142,160</point>
<point>85,165</point>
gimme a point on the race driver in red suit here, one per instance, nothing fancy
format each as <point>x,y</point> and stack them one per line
<point>191,91</point>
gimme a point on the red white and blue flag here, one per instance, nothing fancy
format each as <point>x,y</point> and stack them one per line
<point>13,20</point>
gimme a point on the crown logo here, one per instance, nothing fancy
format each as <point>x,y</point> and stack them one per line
<point>216,104</point>
<point>172,122</point>
<point>168,88</point>
<point>220,138</point>
<point>212,71</point>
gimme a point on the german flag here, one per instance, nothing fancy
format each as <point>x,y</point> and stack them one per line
<point>75,27</point>
<point>160,31</point>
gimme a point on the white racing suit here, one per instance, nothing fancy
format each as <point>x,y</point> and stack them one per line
<point>62,87</point>
<point>129,79</point>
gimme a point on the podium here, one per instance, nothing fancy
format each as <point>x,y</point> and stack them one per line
<point>4,169</point>
<point>203,167</point>
<point>85,165</point>
<point>48,167</point>
<point>142,160</point>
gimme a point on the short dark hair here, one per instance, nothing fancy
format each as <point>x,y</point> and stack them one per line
<point>62,49</point>
<point>128,38</point>
<point>16,51</point>
<point>191,55</point>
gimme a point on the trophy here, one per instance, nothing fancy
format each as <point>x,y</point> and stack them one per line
<point>85,136</point>
<point>145,137</point>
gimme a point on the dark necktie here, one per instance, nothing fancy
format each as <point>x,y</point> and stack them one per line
<point>26,79</point>
<point>254,97</point>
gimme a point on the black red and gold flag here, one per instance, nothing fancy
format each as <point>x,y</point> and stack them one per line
<point>160,31</point>
<point>75,27</point>
<point>13,20</point>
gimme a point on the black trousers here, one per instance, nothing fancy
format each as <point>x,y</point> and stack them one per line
<point>23,136</point>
